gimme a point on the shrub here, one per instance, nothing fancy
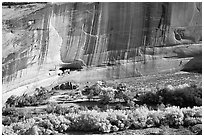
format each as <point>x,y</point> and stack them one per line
<point>6,121</point>
<point>96,108</point>
<point>114,128</point>
<point>12,115</point>
<point>46,124</point>
<point>119,106</point>
<point>105,107</point>
<point>155,118</point>
<point>83,108</point>
<point>150,98</point>
<point>105,99</point>
<point>190,96</point>
<point>182,96</point>
<point>11,101</point>
<point>188,112</point>
<point>107,95</point>
<point>192,116</point>
<point>105,121</point>
<point>85,91</point>
<point>9,111</point>
<point>22,127</point>
<point>138,117</point>
<point>58,123</point>
<point>63,128</point>
<point>198,111</point>
<point>121,87</point>
<point>197,129</point>
<point>60,110</point>
<point>95,90</point>
<point>174,116</point>
<point>50,108</point>
<point>105,127</point>
<point>25,100</point>
<point>57,109</point>
<point>87,121</point>
<point>8,130</point>
<point>54,120</point>
<point>191,121</point>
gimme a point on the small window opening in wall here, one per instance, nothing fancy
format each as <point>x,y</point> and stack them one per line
<point>30,22</point>
<point>65,70</point>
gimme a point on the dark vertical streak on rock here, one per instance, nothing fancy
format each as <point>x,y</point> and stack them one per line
<point>164,22</point>
<point>126,32</point>
<point>146,28</point>
<point>93,40</point>
<point>71,30</point>
<point>45,36</point>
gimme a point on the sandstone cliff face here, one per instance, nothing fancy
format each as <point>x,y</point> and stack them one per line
<point>130,39</point>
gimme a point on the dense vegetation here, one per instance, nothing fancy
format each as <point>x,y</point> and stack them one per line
<point>172,106</point>
<point>183,96</point>
<point>38,98</point>
<point>101,121</point>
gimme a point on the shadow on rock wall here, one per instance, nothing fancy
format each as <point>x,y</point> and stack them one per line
<point>152,37</point>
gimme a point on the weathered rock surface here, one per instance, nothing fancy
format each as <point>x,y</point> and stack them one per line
<point>110,40</point>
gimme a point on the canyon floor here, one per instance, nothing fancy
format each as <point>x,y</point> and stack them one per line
<point>142,83</point>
